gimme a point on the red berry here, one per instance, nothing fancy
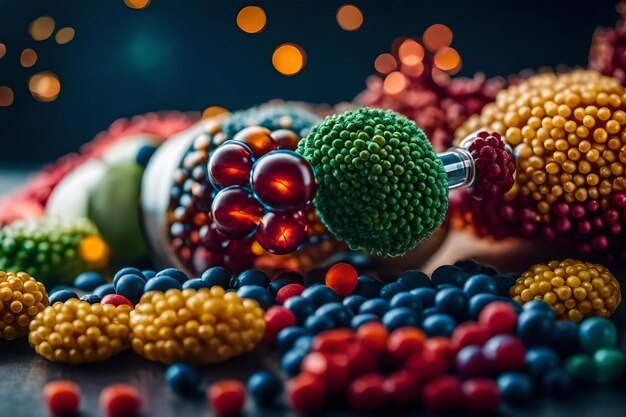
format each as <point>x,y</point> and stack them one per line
<point>427,365</point>
<point>276,319</point>
<point>443,394</point>
<point>230,164</point>
<point>116,300</point>
<point>481,395</point>
<point>284,180</point>
<point>236,212</point>
<point>404,342</point>
<point>402,387</point>
<point>498,317</point>
<point>258,140</point>
<point>120,400</point>
<point>373,336</point>
<point>367,393</point>
<point>342,278</point>
<point>505,352</point>
<point>282,233</point>
<point>469,333</point>
<point>288,291</point>
<point>305,393</point>
<point>441,346</point>
<point>332,369</point>
<point>333,341</point>
<point>62,397</point>
<point>227,397</point>
<point>361,359</point>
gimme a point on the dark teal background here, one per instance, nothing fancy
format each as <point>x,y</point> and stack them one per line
<point>189,54</point>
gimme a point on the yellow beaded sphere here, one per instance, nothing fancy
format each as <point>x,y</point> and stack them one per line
<point>200,327</point>
<point>575,289</point>
<point>22,297</point>
<point>78,332</point>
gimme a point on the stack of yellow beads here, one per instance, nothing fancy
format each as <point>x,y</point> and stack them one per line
<point>22,297</point>
<point>78,332</point>
<point>204,326</point>
<point>573,288</point>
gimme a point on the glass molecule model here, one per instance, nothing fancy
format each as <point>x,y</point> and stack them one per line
<point>368,178</point>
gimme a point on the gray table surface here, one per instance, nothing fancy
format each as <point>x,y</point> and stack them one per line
<point>23,375</point>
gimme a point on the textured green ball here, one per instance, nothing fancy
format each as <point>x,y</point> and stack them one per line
<point>382,188</point>
<point>51,249</point>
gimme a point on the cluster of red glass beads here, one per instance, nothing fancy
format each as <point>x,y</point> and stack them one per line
<point>494,165</point>
<point>608,51</point>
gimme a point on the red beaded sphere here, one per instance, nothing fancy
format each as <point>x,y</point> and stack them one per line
<point>284,180</point>
<point>230,164</point>
<point>258,140</point>
<point>282,233</point>
<point>236,212</point>
<point>62,397</point>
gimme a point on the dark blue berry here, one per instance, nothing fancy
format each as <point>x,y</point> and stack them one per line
<point>104,289</point>
<point>354,302</point>
<point>340,314</point>
<point>301,307</point>
<point>217,276</point>
<point>317,324</point>
<point>177,274</point>
<point>391,289</point>
<point>196,284</point>
<point>91,298</point>
<point>414,279</point>
<point>438,325</point>
<point>320,294</point>
<point>258,293</point>
<point>400,317</point>
<point>452,301</point>
<point>265,387</point>
<point>368,286</point>
<point>378,306</point>
<point>126,271</point>
<point>183,379</point>
<point>162,283</point>
<point>62,296</point>
<point>89,281</point>
<point>360,319</point>
<point>426,296</point>
<point>480,284</point>
<point>287,337</point>
<point>448,274</point>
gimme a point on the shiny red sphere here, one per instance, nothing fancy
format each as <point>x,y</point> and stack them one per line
<point>284,180</point>
<point>227,397</point>
<point>230,164</point>
<point>281,233</point>
<point>236,212</point>
<point>258,140</point>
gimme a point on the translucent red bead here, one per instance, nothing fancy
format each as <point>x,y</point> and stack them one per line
<point>236,212</point>
<point>282,232</point>
<point>230,164</point>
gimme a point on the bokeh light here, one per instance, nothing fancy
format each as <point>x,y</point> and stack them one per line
<point>64,35</point>
<point>413,70</point>
<point>137,4</point>
<point>213,111</point>
<point>251,19</point>
<point>395,83</point>
<point>6,96</point>
<point>385,63</point>
<point>44,86</point>
<point>410,52</point>
<point>437,36</point>
<point>288,59</point>
<point>41,28</point>
<point>349,17</point>
<point>3,50</point>
<point>28,58</point>
<point>447,59</point>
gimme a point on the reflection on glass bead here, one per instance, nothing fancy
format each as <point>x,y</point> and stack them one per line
<point>230,164</point>
<point>258,140</point>
<point>213,240</point>
<point>286,139</point>
<point>284,180</point>
<point>282,233</point>
<point>236,212</point>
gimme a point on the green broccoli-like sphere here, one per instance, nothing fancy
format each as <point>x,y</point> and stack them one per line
<point>51,249</point>
<point>381,186</point>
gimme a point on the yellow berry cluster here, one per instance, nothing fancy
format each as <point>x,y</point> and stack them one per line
<point>204,326</point>
<point>22,297</point>
<point>568,131</point>
<point>573,288</point>
<point>78,332</point>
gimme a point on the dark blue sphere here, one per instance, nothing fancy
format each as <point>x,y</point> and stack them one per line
<point>301,307</point>
<point>429,312</point>
<point>414,279</point>
<point>504,284</point>
<point>535,327</point>
<point>252,277</point>
<point>340,314</point>
<point>287,337</point>
<point>426,296</point>
<point>320,294</point>
<point>354,302</point>
<point>126,271</point>
<point>406,299</point>
<point>196,284</point>
<point>131,287</point>
<point>217,276</point>
<point>539,360</point>
<point>400,317</point>
<point>515,387</point>
<point>368,286</point>
<point>448,274</point>
<point>275,286</point>
<point>89,281</point>
<point>291,361</point>
<point>262,295</point>
<point>265,387</point>
<point>62,296</point>
<point>478,302</point>
<point>360,319</point>
<point>378,306</point>
<point>104,289</point>
<point>149,273</point>
<point>388,291</point>
<point>317,324</point>
<point>304,343</point>
<point>480,284</point>
<point>183,379</point>
<point>91,298</point>
<point>438,325</point>
<point>144,154</point>
<point>59,288</point>
<point>162,283</point>
<point>177,274</point>
<point>539,305</point>
<point>452,301</point>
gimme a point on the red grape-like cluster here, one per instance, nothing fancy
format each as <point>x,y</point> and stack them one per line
<point>263,191</point>
<point>608,50</point>
<point>30,200</point>
<point>494,165</point>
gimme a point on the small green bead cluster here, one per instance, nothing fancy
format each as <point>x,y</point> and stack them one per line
<point>381,186</point>
<point>46,248</point>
